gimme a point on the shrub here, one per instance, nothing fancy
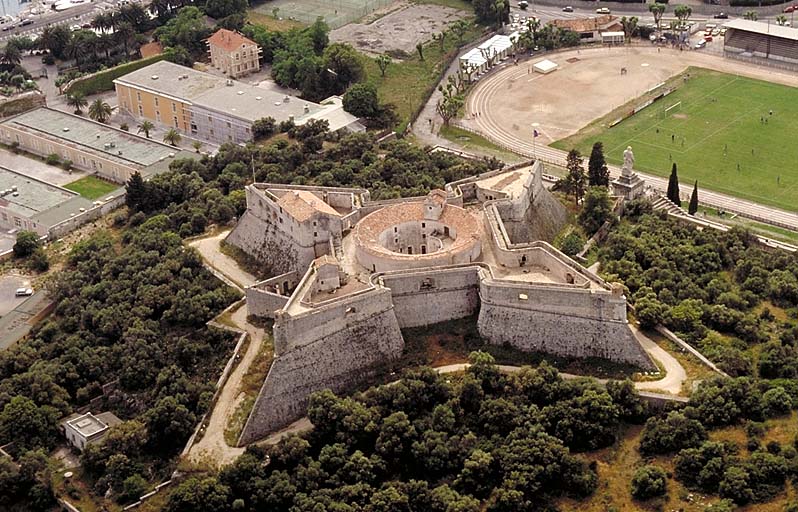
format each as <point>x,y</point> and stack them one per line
<point>572,244</point>
<point>104,80</point>
<point>26,244</point>
<point>53,159</point>
<point>776,402</point>
<point>66,164</point>
<point>649,482</point>
<point>124,127</point>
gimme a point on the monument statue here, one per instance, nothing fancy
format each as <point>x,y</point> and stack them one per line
<point>628,162</point>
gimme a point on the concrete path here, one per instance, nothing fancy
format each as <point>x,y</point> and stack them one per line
<point>213,256</point>
<point>212,448</point>
<point>480,99</point>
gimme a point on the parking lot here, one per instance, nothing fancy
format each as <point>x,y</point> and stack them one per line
<point>8,285</point>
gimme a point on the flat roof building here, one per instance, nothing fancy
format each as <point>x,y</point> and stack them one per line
<point>29,204</point>
<point>762,40</point>
<point>88,428</point>
<point>111,153</point>
<point>214,108</point>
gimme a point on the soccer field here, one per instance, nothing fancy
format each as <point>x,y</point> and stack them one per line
<point>723,135</point>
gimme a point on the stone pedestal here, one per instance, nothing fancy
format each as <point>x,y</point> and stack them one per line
<point>629,186</point>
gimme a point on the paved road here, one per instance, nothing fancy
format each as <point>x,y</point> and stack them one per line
<point>486,124</point>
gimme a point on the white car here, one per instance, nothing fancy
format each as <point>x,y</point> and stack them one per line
<point>602,10</point>
<point>23,292</point>
<point>700,45</point>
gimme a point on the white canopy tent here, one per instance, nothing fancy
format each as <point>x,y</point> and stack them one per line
<point>545,66</point>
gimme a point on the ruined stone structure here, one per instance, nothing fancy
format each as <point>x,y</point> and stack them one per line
<point>354,272</point>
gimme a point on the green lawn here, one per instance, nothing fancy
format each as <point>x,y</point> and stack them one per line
<point>91,187</point>
<point>718,128</point>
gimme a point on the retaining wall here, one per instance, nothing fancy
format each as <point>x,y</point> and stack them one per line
<point>263,299</point>
<point>271,246</point>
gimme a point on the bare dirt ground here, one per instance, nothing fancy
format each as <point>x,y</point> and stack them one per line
<point>587,85</point>
<point>211,253</point>
<point>401,29</point>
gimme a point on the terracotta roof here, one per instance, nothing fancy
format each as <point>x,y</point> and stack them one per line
<point>302,205</point>
<point>367,231</point>
<point>437,196</point>
<point>587,24</point>
<point>229,40</point>
<point>151,49</point>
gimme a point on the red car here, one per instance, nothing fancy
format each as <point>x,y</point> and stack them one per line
<point>791,8</point>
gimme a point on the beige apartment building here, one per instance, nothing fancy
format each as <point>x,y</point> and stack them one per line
<point>233,54</point>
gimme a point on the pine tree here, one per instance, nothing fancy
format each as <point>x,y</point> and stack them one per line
<point>574,181</point>
<point>673,187</point>
<point>598,174</point>
<point>693,200</point>
<point>136,194</point>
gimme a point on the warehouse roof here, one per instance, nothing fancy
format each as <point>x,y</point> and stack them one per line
<point>85,134</point>
<point>34,199</point>
<point>757,27</point>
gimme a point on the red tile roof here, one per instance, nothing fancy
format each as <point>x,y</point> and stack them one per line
<point>229,40</point>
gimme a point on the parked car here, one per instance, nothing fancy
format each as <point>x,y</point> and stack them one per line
<point>715,32</point>
<point>26,22</point>
<point>602,10</point>
<point>700,45</point>
<point>8,27</point>
<point>523,4</point>
<point>23,292</point>
<point>723,32</point>
<point>721,16</point>
<point>791,8</point>
<point>708,38</point>
<point>567,8</point>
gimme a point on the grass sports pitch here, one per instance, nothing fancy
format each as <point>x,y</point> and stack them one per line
<point>722,134</point>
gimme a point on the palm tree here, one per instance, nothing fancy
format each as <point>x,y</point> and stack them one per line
<point>781,19</point>
<point>196,145</point>
<point>145,126</point>
<point>78,101</point>
<point>100,111</point>
<point>124,33</point>
<point>10,56</point>
<point>629,26</point>
<point>500,6</point>
<point>657,9</point>
<point>751,15</point>
<point>101,22</point>
<point>172,137</point>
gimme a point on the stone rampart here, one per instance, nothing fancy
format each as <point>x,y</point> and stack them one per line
<point>266,297</point>
<point>316,323</point>
<point>563,322</point>
<point>270,245</point>
<point>341,357</point>
<point>429,296</point>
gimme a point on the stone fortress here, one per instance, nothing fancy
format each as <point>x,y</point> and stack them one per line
<point>351,273</point>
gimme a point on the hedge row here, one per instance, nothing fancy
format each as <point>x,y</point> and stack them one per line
<point>104,80</point>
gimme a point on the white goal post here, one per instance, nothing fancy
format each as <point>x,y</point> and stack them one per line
<point>676,107</point>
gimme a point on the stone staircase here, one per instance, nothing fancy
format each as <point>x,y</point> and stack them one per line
<point>663,203</point>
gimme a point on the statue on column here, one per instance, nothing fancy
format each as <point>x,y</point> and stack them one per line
<point>628,162</point>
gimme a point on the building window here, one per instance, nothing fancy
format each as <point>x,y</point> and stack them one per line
<point>315,234</point>
<point>228,124</point>
<point>174,107</point>
<point>423,224</point>
<point>158,116</point>
<point>141,111</point>
<point>176,125</point>
<point>156,101</point>
<point>138,96</point>
<point>211,131</point>
<point>209,119</point>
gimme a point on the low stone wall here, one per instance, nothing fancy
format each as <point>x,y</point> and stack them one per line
<point>430,296</point>
<point>343,355</point>
<point>92,214</point>
<point>264,301</point>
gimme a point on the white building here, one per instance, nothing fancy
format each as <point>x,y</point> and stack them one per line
<point>88,428</point>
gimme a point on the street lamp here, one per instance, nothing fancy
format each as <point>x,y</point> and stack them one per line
<point>535,135</point>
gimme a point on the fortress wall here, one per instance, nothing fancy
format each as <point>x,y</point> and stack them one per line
<point>430,296</point>
<point>392,261</point>
<point>266,297</point>
<point>555,299</point>
<point>294,330</point>
<point>340,360</point>
<point>269,245</point>
<point>568,323</point>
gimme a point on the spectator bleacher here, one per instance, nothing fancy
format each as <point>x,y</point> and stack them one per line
<point>762,40</point>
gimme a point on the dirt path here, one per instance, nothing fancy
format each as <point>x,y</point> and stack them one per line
<point>675,374</point>
<point>212,254</point>
<point>212,448</point>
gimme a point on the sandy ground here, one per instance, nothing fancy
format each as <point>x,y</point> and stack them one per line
<point>401,29</point>
<point>34,168</point>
